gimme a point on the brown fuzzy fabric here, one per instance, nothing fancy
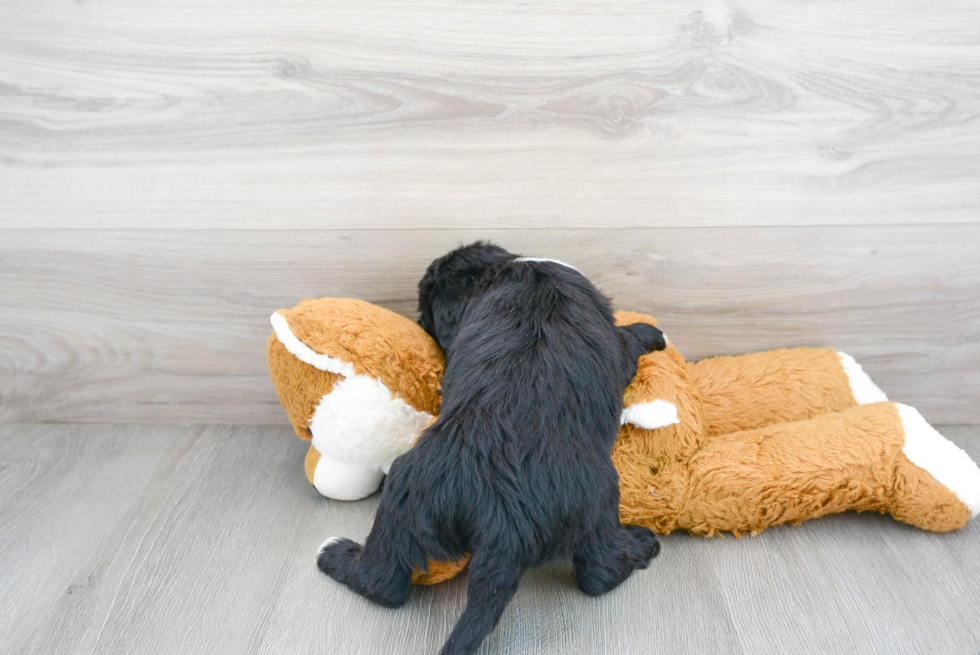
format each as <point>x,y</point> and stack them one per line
<point>763,439</point>
<point>776,386</point>
<point>745,482</point>
<point>312,459</point>
<point>376,341</point>
<point>298,385</point>
<point>439,571</point>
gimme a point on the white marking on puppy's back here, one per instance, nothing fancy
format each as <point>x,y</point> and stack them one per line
<point>544,259</point>
<point>945,461</point>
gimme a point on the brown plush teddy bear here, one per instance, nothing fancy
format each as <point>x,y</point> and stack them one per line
<point>727,444</point>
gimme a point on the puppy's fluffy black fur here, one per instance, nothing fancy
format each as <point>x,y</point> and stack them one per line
<point>517,468</point>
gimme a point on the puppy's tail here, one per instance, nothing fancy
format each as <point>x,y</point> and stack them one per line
<point>492,584</point>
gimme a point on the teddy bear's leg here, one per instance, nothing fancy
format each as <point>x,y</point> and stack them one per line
<point>779,386</point>
<point>309,465</point>
<point>342,480</point>
<point>933,467</point>
<point>612,552</point>
<point>880,457</point>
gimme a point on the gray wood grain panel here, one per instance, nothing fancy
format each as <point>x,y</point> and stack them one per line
<point>847,586</point>
<point>198,564</point>
<point>62,488</point>
<point>952,560</point>
<point>522,114</point>
<point>161,326</point>
<point>856,583</point>
<point>548,614</point>
<point>202,539</point>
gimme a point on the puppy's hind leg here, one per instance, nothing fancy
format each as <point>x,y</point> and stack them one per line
<point>379,570</point>
<point>610,554</point>
<point>492,583</point>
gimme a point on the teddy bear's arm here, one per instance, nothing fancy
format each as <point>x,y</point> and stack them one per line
<point>778,386</point>
<point>881,456</point>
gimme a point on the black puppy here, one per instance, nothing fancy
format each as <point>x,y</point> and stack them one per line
<point>517,469</point>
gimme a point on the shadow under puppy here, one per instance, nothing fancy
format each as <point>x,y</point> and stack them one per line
<point>517,468</point>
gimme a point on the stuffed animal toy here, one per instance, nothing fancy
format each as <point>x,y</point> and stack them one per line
<point>357,380</point>
<point>727,444</point>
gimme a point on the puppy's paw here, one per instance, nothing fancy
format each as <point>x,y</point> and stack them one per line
<point>337,558</point>
<point>651,337</point>
<point>645,544</point>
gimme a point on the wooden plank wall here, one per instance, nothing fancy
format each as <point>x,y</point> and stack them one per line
<point>757,173</point>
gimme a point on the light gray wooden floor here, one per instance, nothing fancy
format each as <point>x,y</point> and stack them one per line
<point>201,539</point>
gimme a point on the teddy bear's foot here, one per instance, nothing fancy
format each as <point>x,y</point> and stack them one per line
<point>863,388</point>
<point>937,485</point>
<point>342,480</point>
<point>880,457</point>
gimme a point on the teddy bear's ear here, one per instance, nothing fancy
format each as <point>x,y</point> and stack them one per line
<point>360,381</point>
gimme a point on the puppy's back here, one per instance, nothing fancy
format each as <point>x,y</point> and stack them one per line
<point>530,410</point>
<point>536,340</point>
